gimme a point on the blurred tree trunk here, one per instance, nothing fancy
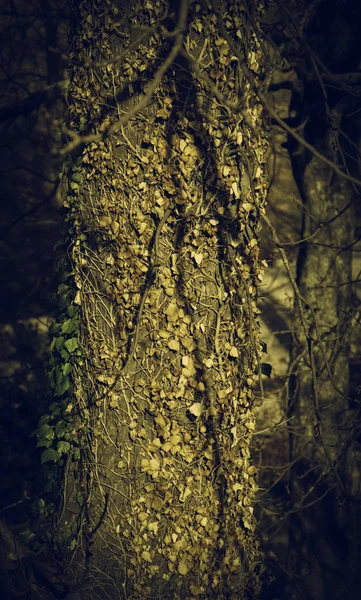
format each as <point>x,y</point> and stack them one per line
<point>154,363</point>
<point>321,478</point>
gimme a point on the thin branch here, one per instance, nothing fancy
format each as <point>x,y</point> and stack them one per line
<point>77,140</point>
<point>269,109</point>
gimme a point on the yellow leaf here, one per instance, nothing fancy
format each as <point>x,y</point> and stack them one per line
<point>105,221</point>
<point>160,420</point>
<point>163,333</point>
<point>233,352</point>
<point>184,495</point>
<point>175,439</point>
<point>173,345</point>
<point>157,503</point>
<point>153,527</point>
<point>185,361</point>
<point>154,464</point>
<point>172,311</point>
<point>115,227</point>
<point>182,569</point>
<point>212,411</point>
<point>196,409</point>
<point>166,446</point>
<point>235,190</point>
<point>163,113</point>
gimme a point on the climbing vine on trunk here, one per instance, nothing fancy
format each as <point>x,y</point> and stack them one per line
<point>154,363</point>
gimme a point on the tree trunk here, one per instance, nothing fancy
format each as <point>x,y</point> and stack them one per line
<point>320,413</point>
<point>154,363</point>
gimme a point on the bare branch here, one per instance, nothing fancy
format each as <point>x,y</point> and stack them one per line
<point>77,139</point>
<point>273,114</point>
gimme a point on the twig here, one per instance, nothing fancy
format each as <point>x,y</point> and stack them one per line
<point>77,139</point>
<point>274,115</point>
<point>148,284</point>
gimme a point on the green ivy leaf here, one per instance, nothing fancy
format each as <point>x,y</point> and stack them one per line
<point>44,443</point>
<point>76,454</point>
<point>71,345</point>
<point>67,368</point>
<point>60,428</point>
<point>59,343</point>
<point>63,289</point>
<point>78,176</point>
<point>55,409</point>
<point>64,355</point>
<point>69,326</point>
<point>54,328</point>
<point>27,536</point>
<point>44,419</point>
<point>45,432</point>
<point>49,455</point>
<point>62,386</point>
<point>72,310</point>
<point>62,447</point>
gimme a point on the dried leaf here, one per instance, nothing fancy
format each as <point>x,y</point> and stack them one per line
<point>196,409</point>
<point>105,221</point>
<point>154,464</point>
<point>235,189</point>
<point>146,556</point>
<point>172,311</point>
<point>182,569</point>
<point>173,345</point>
<point>175,439</point>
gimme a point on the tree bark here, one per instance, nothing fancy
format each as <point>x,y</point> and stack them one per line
<point>160,327</point>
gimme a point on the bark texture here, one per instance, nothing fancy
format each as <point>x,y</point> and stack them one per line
<point>163,216</point>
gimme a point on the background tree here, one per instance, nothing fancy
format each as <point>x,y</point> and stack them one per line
<point>319,488</point>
